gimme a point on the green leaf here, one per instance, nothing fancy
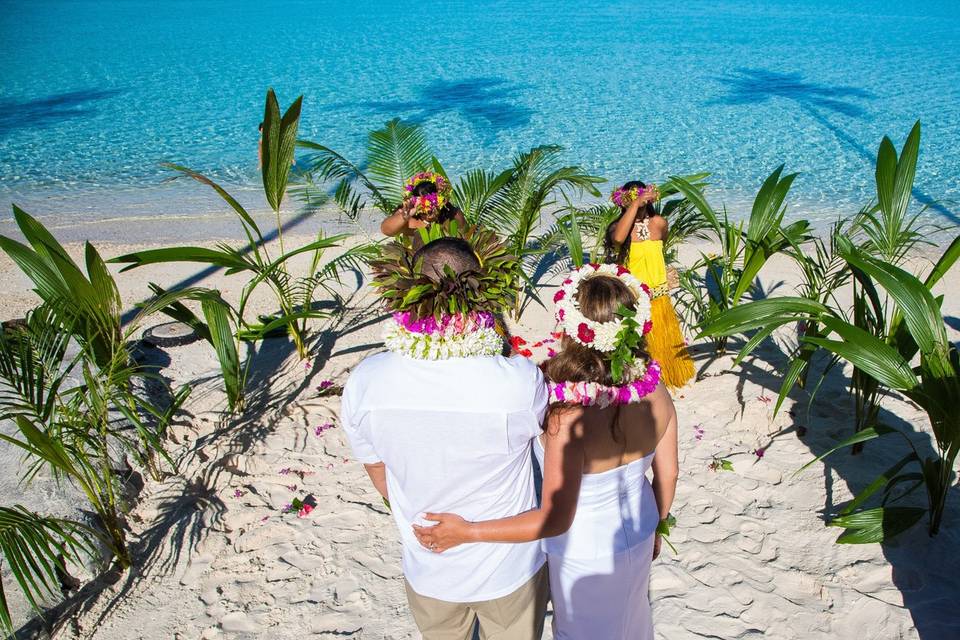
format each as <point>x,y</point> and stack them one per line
<point>906,169</point>
<point>216,257</point>
<point>883,480</point>
<point>217,315</point>
<point>246,219</point>
<point>33,546</point>
<point>279,141</point>
<point>873,356</point>
<point>861,436</point>
<point>885,175</point>
<point>920,311</point>
<point>876,525</point>
<point>760,314</point>
<point>394,154</point>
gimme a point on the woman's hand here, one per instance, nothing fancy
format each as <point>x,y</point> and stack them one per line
<point>450,531</point>
<point>656,545</point>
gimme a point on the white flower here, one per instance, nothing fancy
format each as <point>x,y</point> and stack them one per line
<point>601,336</point>
<point>423,346</point>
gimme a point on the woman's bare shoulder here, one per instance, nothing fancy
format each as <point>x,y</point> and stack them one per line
<point>565,423</point>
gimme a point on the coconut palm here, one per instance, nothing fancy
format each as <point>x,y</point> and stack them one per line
<point>294,295</point>
<point>538,180</point>
<point>727,277</point>
<point>394,153</point>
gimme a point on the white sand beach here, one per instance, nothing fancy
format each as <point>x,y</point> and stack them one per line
<point>215,557</point>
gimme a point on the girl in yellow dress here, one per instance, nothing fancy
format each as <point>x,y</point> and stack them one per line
<point>635,240</point>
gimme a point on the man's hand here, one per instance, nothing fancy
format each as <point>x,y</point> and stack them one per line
<point>449,531</point>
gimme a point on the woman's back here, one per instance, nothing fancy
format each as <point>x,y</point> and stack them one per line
<point>616,508</point>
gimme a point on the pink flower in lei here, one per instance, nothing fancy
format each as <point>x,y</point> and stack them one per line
<point>590,394</point>
<point>457,324</point>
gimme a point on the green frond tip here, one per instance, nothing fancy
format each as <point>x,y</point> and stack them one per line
<point>404,286</point>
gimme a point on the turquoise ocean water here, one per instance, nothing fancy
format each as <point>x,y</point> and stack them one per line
<point>94,94</point>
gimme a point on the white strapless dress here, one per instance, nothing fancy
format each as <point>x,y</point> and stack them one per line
<point>600,568</point>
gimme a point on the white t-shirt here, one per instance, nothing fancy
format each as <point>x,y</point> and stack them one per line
<point>455,436</point>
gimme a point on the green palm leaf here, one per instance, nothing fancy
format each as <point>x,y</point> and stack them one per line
<point>394,154</point>
<point>279,139</point>
<point>35,548</point>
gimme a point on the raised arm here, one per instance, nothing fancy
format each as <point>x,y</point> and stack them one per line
<point>562,472</point>
<point>397,222</point>
<point>624,226</point>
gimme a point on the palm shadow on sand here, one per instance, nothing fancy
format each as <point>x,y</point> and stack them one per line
<point>920,564</point>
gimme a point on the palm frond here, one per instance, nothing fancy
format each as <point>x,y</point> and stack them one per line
<point>36,549</point>
<point>395,153</point>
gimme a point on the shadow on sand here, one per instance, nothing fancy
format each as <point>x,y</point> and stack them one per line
<point>921,564</point>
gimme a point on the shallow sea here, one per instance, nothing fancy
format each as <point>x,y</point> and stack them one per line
<point>93,95</point>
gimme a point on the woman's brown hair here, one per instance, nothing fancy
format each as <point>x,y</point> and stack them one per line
<point>599,298</point>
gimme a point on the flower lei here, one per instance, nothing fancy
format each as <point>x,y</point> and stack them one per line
<point>452,336</point>
<point>602,336</point>
<point>590,394</point>
<point>429,204</point>
<point>623,197</point>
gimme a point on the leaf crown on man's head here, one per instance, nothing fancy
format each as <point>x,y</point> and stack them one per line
<point>399,277</point>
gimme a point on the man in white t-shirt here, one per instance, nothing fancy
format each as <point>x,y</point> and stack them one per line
<point>454,435</point>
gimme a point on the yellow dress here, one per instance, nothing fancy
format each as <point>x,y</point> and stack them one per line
<point>665,342</point>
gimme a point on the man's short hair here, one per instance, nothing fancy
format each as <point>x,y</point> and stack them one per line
<point>455,253</point>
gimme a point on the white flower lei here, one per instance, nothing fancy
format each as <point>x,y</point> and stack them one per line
<point>479,341</point>
<point>601,336</point>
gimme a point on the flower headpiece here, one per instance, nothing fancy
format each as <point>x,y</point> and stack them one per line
<point>617,338</point>
<point>427,206</point>
<point>404,286</point>
<point>623,197</point>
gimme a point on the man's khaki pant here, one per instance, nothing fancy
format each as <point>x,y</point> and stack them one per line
<point>517,616</point>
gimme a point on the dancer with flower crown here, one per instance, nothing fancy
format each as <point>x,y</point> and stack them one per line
<point>427,200</point>
<point>442,420</point>
<point>635,240</point>
<point>610,420</point>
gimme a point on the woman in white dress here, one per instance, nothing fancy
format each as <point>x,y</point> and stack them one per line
<point>610,421</point>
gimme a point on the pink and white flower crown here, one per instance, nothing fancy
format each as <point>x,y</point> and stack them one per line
<point>601,336</point>
<point>428,204</point>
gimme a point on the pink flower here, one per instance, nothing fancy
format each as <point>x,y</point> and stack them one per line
<point>326,384</point>
<point>697,432</point>
<point>759,452</point>
<point>292,487</point>
<point>646,289</point>
<point>647,327</point>
<point>237,493</point>
<point>284,471</point>
<point>585,333</point>
<point>550,352</point>
<point>560,314</point>
<point>323,427</point>
<point>559,295</point>
<point>526,353</point>
<point>305,511</point>
<point>622,270</point>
